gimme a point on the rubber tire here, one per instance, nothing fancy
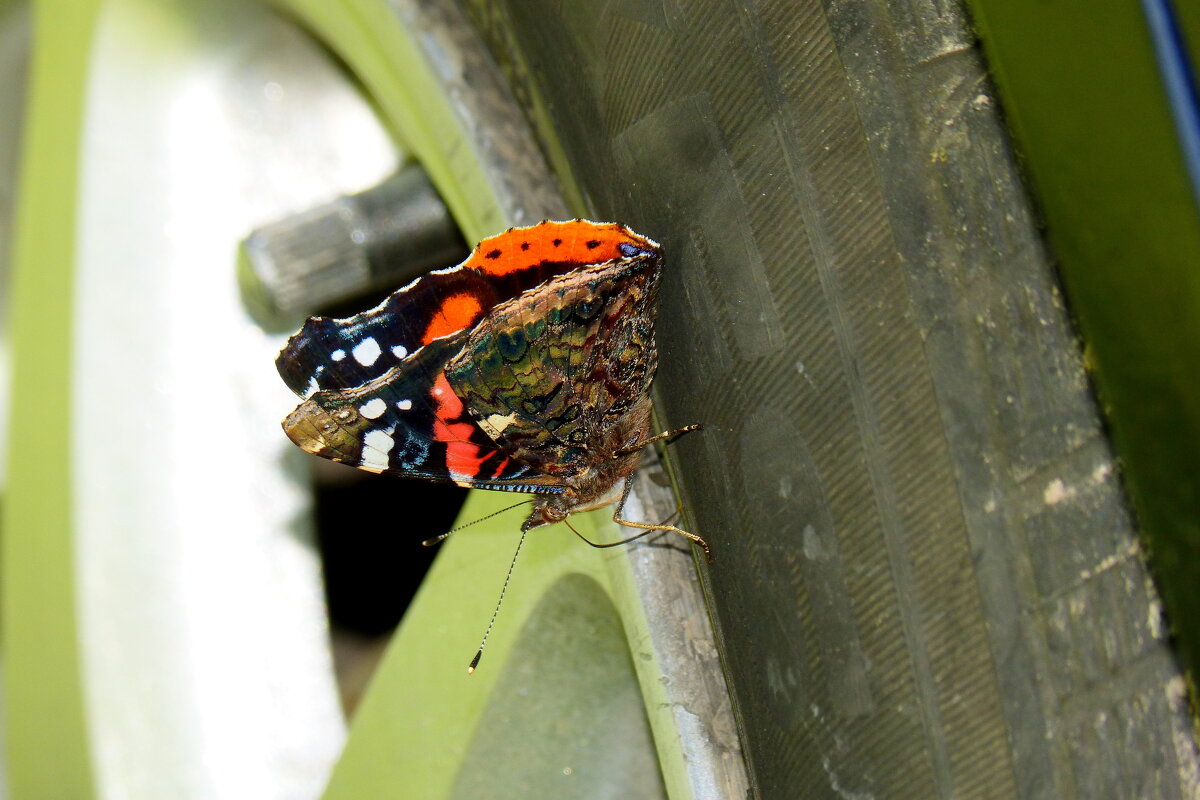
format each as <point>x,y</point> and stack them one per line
<point>927,581</point>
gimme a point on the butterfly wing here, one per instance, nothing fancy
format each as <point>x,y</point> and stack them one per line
<point>336,354</point>
<point>560,377</point>
<point>409,422</point>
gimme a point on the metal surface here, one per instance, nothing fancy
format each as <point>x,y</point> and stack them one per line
<point>676,652</point>
<point>492,124</point>
<point>378,239</point>
<point>926,582</point>
<point>545,690</point>
<point>204,645</point>
<point>14,59</point>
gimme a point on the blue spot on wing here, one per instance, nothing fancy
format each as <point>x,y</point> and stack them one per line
<point>630,250</point>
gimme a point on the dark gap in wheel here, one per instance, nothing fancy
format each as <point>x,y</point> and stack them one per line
<point>369,531</point>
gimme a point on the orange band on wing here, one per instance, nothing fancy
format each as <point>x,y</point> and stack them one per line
<point>578,241</point>
<point>458,311</point>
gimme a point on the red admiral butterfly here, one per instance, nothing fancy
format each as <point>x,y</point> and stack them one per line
<point>526,368</point>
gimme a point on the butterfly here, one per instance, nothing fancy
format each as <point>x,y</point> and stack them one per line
<point>526,368</point>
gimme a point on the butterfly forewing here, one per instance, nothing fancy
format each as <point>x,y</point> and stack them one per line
<point>332,353</point>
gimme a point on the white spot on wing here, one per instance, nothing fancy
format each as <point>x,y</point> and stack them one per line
<point>367,351</point>
<point>338,355</point>
<point>496,424</point>
<point>400,351</point>
<point>404,405</point>
<point>373,408</point>
<point>376,446</point>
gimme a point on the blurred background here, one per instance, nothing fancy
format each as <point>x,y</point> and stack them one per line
<point>933,287</point>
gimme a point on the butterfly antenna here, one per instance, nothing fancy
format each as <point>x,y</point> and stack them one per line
<point>442,536</point>
<point>503,589</point>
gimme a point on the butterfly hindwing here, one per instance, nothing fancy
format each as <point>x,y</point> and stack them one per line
<point>560,376</point>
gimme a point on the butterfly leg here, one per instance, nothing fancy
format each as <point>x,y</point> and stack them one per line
<point>648,528</point>
<point>672,435</point>
<point>645,527</point>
